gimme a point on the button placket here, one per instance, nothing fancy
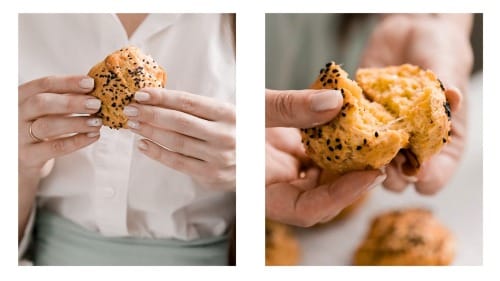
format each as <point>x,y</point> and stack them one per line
<point>112,169</point>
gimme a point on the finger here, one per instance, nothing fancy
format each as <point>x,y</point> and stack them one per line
<point>454,97</point>
<point>53,127</point>
<point>308,179</point>
<point>430,181</point>
<point>201,106</point>
<point>394,181</point>
<point>287,203</point>
<point>209,175</point>
<point>301,109</point>
<point>48,104</point>
<point>186,145</point>
<point>43,151</point>
<point>290,143</point>
<point>183,123</point>
<point>78,84</point>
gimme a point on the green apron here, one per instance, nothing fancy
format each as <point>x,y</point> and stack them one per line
<point>58,241</point>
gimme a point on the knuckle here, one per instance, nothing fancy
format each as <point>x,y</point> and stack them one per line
<point>226,111</point>
<point>187,104</point>
<point>59,146</point>
<point>283,105</point>
<point>177,163</point>
<point>227,138</point>
<point>39,102</point>
<point>46,83</point>
<point>217,176</point>
<point>178,142</point>
<point>181,121</point>
<point>226,158</point>
<point>154,116</point>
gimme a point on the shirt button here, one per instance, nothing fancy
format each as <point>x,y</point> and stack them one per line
<point>108,192</point>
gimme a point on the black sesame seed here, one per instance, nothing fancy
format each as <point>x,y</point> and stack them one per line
<point>328,64</point>
<point>343,114</point>
<point>330,148</point>
<point>449,133</point>
<point>376,134</point>
<point>337,157</point>
<point>329,81</point>
<point>321,71</point>
<point>339,146</point>
<point>322,79</point>
<point>327,141</point>
<point>312,136</point>
<point>364,141</point>
<point>328,158</point>
<point>335,70</point>
<point>336,81</point>
<point>441,85</point>
<point>358,147</point>
<point>307,143</point>
<point>113,104</point>
<point>444,140</point>
<point>447,109</point>
<point>337,140</point>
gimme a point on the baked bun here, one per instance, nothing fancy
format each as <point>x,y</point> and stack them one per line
<point>282,248</point>
<point>118,77</point>
<point>392,109</point>
<point>406,237</point>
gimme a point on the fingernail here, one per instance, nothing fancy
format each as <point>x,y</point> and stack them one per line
<point>141,96</point>
<point>133,124</point>
<point>92,134</point>
<point>326,100</point>
<point>142,145</point>
<point>378,180</point>
<point>86,83</point>
<point>410,179</point>
<point>94,122</point>
<point>130,111</point>
<point>93,104</point>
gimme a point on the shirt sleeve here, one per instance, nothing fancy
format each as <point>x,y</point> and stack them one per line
<point>25,241</point>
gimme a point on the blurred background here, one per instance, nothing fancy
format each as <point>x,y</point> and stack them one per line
<point>458,206</point>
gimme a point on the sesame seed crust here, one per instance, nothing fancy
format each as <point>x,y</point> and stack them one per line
<point>378,119</point>
<point>118,77</point>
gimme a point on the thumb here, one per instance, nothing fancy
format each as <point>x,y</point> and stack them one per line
<point>301,109</point>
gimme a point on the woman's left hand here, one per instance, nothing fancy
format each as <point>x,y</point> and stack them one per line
<point>189,133</point>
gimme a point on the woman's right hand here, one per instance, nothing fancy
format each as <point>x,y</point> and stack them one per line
<point>48,128</point>
<point>46,105</point>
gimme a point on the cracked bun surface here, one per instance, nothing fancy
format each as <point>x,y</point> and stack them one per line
<point>118,77</point>
<point>388,110</point>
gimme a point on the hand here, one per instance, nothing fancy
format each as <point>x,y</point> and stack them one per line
<point>46,106</point>
<point>439,43</point>
<point>48,130</point>
<point>189,133</point>
<point>295,193</point>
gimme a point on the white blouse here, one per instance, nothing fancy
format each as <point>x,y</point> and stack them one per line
<point>111,187</point>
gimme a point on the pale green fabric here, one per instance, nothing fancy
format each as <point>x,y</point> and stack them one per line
<point>58,241</point>
<point>299,45</point>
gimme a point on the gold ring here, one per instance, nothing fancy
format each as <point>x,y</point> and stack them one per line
<point>35,138</point>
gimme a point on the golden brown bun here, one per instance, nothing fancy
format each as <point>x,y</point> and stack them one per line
<point>281,246</point>
<point>118,77</point>
<point>399,108</point>
<point>406,237</point>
